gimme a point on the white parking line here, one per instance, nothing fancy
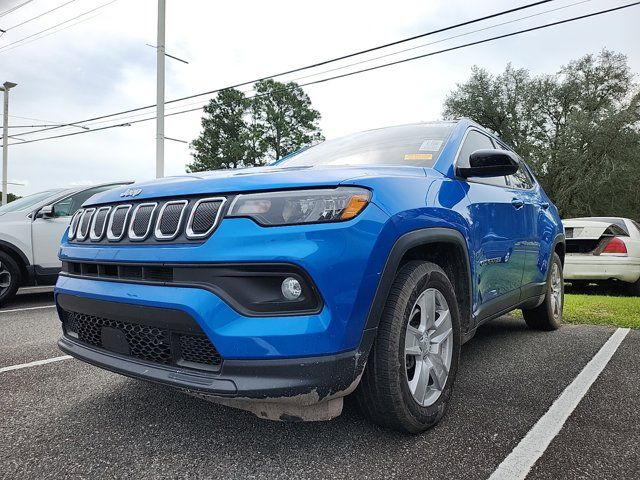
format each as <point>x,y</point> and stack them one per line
<point>522,458</point>
<point>34,364</point>
<point>26,308</point>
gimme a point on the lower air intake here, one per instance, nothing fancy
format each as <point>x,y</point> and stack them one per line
<point>145,342</point>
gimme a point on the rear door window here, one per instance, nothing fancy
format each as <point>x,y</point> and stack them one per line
<point>521,179</point>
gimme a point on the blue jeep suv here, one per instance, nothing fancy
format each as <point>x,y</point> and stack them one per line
<point>360,264</point>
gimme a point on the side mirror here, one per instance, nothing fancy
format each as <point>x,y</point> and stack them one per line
<point>489,163</point>
<point>47,211</point>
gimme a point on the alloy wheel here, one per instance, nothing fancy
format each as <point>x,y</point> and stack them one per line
<point>556,291</point>
<point>428,347</point>
<point>5,279</point>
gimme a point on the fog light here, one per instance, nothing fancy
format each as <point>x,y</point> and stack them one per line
<point>291,288</point>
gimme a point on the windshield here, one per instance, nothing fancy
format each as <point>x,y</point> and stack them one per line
<point>416,144</point>
<point>29,201</point>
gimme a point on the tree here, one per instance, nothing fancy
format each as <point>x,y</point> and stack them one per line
<point>285,119</point>
<point>579,129</point>
<point>226,137</point>
<point>240,131</point>
<point>11,197</point>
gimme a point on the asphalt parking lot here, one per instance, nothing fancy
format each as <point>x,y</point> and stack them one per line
<point>68,419</point>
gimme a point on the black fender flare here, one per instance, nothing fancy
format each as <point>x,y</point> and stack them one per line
<point>560,238</point>
<point>402,245</point>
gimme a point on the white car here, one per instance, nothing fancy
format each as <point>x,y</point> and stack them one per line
<point>601,249</point>
<point>30,232</point>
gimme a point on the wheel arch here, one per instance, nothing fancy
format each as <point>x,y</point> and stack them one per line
<point>445,247</point>
<point>559,247</point>
<point>19,257</point>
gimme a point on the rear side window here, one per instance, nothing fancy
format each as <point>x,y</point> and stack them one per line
<point>478,141</point>
<point>521,179</point>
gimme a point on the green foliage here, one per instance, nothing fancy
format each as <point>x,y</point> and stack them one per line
<point>226,137</point>
<point>579,129</point>
<point>238,131</point>
<point>614,311</point>
<point>11,197</point>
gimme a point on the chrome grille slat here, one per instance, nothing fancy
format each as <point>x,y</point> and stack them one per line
<point>96,232</point>
<point>141,220</point>
<point>170,219</point>
<point>202,227</point>
<point>85,223</point>
<point>118,222</point>
<point>73,226</point>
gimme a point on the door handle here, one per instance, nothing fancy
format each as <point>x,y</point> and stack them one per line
<point>544,205</point>
<point>517,203</point>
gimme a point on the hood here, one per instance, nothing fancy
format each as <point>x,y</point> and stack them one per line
<point>13,216</point>
<point>252,179</point>
<point>589,229</point>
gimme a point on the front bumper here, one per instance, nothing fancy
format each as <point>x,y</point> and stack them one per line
<point>303,381</point>
<point>590,267</point>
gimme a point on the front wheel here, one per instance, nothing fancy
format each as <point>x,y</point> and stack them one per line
<point>548,315</point>
<point>409,376</point>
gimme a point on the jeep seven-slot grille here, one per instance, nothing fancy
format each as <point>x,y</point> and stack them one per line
<point>145,342</point>
<point>180,220</point>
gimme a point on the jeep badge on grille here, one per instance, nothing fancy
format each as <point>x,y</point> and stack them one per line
<point>131,192</point>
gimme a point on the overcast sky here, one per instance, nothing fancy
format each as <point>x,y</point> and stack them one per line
<point>102,65</point>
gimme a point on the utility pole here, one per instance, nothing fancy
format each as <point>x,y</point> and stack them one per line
<point>5,138</point>
<point>160,91</point>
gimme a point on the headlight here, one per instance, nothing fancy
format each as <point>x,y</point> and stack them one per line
<point>301,206</point>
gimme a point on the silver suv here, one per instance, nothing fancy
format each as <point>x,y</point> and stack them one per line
<point>30,232</point>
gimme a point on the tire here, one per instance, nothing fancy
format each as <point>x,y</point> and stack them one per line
<point>9,278</point>
<point>548,315</point>
<point>390,390</point>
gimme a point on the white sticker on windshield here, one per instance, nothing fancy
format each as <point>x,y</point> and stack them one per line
<point>430,146</point>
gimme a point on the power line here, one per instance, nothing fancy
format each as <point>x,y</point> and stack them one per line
<point>4,47</point>
<point>51,33</point>
<point>318,64</point>
<point>13,9</point>
<point>490,27</point>
<point>37,119</point>
<point>370,60</point>
<point>38,16</point>
<point>47,125</point>
<point>457,47</point>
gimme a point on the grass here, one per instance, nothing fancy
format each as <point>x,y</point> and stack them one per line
<point>602,310</point>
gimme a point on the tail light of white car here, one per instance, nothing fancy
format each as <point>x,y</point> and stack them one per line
<point>615,246</point>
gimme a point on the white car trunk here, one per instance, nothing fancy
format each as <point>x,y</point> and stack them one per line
<point>589,237</point>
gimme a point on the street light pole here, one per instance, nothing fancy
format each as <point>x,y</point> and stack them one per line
<point>160,91</point>
<point>5,138</point>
